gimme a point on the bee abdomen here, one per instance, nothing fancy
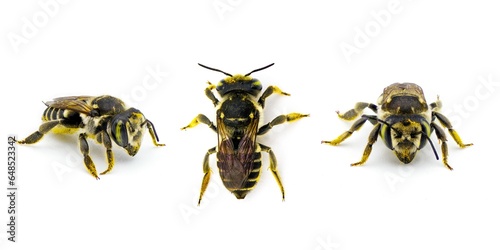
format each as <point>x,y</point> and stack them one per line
<point>251,180</point>
<point>52,114</point>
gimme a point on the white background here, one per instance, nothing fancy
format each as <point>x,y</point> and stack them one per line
<point>149,201</point>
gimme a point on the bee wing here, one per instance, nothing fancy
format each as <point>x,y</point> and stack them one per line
<point>79,104</point>
<point>246,148</point>
<point>236,164</point>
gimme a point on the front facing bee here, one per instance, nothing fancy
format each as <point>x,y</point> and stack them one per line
<point>404,121</point>
<point>238,117</point>
<point>104,118</point>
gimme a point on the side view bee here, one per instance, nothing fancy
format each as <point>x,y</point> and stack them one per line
<point>404,121</point>
<point>239,115</point>
<point>103,118</point>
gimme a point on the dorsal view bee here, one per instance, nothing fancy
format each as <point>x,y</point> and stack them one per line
<point>103,118</point>
<point>239,115</point>
<point>404,121</point>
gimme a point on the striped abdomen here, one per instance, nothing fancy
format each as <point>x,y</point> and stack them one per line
<point>234,174</point>
<point>52,114</point>
<point>68,118</point>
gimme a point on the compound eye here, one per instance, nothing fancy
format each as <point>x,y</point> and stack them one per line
<point>119,133</point>
<point>256,85</point>
<point>219,87</point>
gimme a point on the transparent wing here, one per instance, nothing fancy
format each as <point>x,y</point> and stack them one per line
<point>79,104</point>
<point>235,163</point>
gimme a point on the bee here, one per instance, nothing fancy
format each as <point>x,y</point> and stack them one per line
<point>238,118</point>
<point>103,118</point>
<point>404,121</point>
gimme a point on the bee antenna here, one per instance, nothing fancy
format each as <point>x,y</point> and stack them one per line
<point>218,70</point>
<point>381,121</point>
<point>259,69</point>
<point>432,145</point>
<point>149,123</point>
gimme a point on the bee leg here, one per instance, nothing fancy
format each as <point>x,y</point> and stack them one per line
<point>444,146</point>
<point>210,94</point>
<point>37,135</point>
<point>372,138</point>
<point>436,106</point>
<point>207,173</point>
<point>273,165</point>
<point>84,148</point>
<point>103,137</point>
<point>280,120</point>
<point>152,132</point>
<point>446,123</point>
<point>203,119</point>
<point>269,91</point>
<point>356,126</point>
<point>356,111</point>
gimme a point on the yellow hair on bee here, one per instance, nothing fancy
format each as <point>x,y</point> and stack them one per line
<point>236,78</point>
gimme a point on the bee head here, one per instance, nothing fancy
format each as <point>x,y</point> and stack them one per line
<point>405,135</point>
<point>126,130</point>
<point>242,83</point>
